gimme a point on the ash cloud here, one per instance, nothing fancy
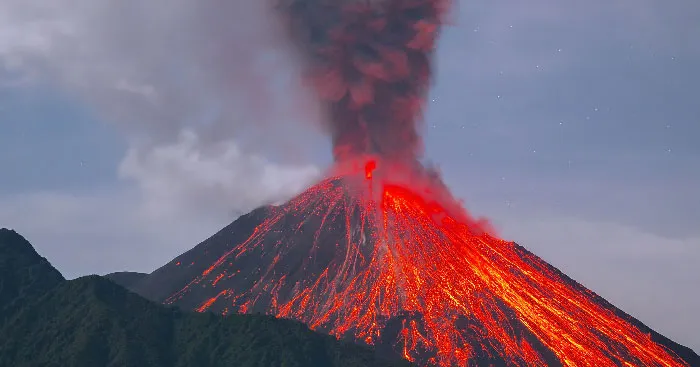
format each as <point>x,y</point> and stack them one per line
<point>369,63</point>
<point>227,70</point>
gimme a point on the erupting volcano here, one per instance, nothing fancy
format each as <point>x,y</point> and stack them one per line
<point>362,257</point>
<point>379,252</point>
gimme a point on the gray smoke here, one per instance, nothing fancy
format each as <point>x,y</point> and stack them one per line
<point>370,64</point>
<point>207,82</point>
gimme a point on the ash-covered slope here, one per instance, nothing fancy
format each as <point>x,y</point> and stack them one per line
<point>427,291</point>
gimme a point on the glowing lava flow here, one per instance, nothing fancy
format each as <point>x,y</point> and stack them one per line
<point>453,293</point>
<point>360,255</point>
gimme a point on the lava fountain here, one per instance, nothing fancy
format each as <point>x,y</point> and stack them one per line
<point>379,251</point>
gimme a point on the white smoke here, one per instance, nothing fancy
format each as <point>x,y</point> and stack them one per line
<point>200,76</point>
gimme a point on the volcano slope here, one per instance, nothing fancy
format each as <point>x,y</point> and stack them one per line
<point>397,270</point>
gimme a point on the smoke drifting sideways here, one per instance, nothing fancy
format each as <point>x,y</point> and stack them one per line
<point>369,62</point>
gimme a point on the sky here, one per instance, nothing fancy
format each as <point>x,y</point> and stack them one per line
<point>130,131</point>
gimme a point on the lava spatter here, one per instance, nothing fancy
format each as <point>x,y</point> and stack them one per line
<point>397,268</point>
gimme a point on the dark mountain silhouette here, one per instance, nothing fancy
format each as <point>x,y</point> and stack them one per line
<point>188,282</point>
<point>126,278</point>
<point>24,274</point>
<point>93,322</point>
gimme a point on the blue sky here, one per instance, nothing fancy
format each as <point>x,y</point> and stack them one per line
<point>572,126</point>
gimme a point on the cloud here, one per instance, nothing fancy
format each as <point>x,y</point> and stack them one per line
<point>121,228</point>
<point>216,180</point>
<point>182,193</point>
<point>204,92</point>
<point>160,66</point>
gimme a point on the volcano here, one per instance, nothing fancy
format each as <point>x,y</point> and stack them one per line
<point>379,252</point>
<point>377,261</point>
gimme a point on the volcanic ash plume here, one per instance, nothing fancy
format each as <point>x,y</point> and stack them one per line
<point>369,63</point>
<point>391,262</point>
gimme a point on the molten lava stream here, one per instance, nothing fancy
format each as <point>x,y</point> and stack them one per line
<point>426,279</point>
<point>458,265</point>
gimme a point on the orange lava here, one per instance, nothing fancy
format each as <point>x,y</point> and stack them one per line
<point>404,253</point>
<point>369,169</point>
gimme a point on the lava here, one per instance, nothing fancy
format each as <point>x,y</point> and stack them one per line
<point>454,289</point>
<point>379,252</point>
<point>369,169</point>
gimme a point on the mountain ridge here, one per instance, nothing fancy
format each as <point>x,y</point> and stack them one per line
<point>91,321</point>
<point>23,273</point>
<point>125,278</point>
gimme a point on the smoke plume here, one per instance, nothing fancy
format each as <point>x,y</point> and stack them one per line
<point>369,62</point>
<point>204,92</point>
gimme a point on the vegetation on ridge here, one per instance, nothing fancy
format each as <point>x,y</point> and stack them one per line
<point>94,322</point>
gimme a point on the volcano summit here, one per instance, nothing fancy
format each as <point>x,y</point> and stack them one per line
<point>368,259</point>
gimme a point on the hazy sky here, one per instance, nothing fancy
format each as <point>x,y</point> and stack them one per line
<point>131,130</point>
